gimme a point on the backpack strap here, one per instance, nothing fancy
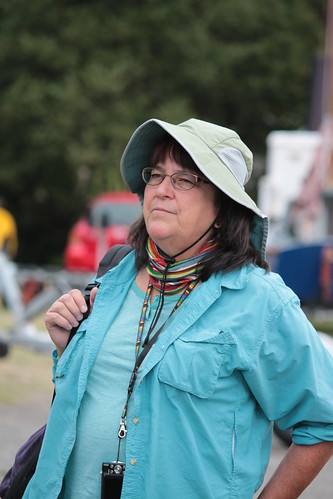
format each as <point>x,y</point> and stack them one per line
<point>111,259</point>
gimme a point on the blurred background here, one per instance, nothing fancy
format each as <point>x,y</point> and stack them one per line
<point>78,77</point>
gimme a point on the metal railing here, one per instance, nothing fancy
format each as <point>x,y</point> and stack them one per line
<point>55,282</point>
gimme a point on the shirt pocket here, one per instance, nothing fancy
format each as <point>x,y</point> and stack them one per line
<point>193,362</point>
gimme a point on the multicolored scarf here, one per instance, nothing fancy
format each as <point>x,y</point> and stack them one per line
<point>179,274</point>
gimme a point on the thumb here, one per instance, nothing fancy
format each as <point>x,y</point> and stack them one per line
<point>93,296</point>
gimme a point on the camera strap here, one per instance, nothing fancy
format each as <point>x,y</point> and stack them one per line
<point>149,342</point>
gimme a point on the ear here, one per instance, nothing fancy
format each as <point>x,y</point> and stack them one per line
<point>217,224</point>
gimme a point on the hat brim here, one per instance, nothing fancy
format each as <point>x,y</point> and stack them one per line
<point>138,151</point>
<point>143,142</point>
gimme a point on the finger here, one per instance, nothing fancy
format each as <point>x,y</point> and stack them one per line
<point>59,315</point>
<point>68,307</point>
<point>54,320</point>
<point>93,296</point>
<point>74,302</point>
<point>79,300</point>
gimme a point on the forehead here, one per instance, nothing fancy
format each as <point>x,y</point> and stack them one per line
<point>170,149</point>
<point>171,164</point>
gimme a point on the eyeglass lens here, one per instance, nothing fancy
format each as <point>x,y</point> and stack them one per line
<point>180,180</point>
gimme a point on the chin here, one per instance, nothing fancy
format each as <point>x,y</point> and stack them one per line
<point>160,239</point>
<point>160,231</point>
<point>163,240</point>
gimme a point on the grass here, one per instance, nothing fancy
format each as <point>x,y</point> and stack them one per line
<point>23,372</point>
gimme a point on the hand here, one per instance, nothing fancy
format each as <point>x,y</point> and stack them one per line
<point>65,314</point>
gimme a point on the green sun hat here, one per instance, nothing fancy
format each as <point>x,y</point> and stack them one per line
<point>218,152</point>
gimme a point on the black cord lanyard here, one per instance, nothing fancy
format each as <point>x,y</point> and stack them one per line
<point>149,342</point>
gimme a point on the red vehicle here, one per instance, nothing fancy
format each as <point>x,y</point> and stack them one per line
<point>105,223</point>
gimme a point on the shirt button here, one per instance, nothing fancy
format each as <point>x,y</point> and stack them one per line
<point>133,461</point>
<point>135,420</point>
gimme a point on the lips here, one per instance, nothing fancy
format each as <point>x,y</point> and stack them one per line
<point>160,209</point>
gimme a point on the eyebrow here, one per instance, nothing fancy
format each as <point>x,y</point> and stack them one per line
<point>183,170</point>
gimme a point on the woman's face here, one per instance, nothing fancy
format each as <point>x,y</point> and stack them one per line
<point>175,219</point>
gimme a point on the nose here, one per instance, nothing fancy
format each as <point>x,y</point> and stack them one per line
<point>165,188</point>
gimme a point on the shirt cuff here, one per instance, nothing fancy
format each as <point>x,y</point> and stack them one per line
<point>311,434</point>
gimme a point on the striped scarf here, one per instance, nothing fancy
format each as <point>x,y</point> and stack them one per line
<point>179,274</point>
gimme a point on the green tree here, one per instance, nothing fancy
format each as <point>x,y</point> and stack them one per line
<point>78,77</point>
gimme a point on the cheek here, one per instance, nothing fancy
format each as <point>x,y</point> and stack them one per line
<point>146,201</point>
<point>144,213</point>
<point>200,210</point>
<point>146,206</point>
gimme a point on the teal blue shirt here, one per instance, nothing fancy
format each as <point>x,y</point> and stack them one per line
<point>105,396</point>
<point>236,356</point>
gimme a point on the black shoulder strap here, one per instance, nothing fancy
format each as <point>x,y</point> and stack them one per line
<point>111,259</point>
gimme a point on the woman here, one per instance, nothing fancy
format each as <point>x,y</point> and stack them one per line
<point>186,409</point>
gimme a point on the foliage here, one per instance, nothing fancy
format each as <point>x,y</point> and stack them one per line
<point>77,78</point>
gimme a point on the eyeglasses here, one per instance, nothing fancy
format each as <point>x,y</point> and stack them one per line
<point>181,181</point>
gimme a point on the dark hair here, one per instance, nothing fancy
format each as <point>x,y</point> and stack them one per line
<point>170,147</point>
<point>233,235</point>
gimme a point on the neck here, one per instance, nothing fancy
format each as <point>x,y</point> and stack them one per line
<point>171,276</point>
<point>142,281</point>
<point>176,254</point>
<point>170,252</point>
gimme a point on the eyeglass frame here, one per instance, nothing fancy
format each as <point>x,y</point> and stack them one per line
<point>197,178</point>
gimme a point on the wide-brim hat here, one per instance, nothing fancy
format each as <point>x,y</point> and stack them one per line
<point>218,152</point>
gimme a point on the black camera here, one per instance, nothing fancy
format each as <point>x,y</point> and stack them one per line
<point>112,479</point>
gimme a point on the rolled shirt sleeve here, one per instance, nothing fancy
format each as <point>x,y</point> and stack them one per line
<point>291,376</point>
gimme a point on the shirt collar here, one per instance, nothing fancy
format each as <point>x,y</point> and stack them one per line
<point>236,279</point>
